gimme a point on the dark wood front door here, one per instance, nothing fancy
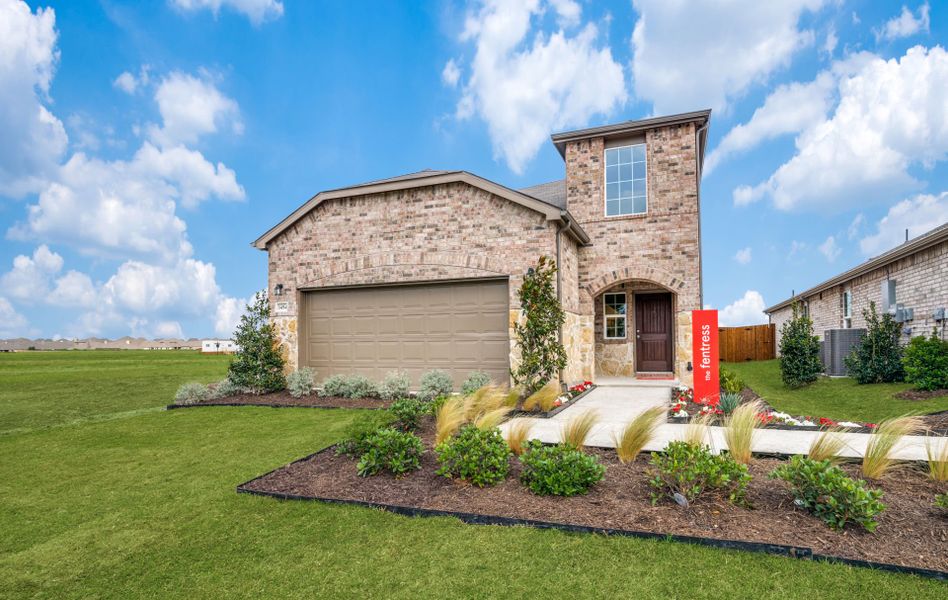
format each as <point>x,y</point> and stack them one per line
<point>653,332</point>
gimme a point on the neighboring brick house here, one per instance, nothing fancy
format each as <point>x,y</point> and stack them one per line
<point>422,270</point>
<point>912,277</point>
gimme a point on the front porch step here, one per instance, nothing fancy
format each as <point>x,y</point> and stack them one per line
<point>631,382</point>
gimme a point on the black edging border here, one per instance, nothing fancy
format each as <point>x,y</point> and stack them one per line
<point>798,552</point>
<point>546,415</point>
<point>782,427</point>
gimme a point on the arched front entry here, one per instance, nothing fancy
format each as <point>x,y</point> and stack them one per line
<point>638,330</point>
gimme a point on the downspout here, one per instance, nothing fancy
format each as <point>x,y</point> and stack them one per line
<point>698,170</point>
<point>565,226</point>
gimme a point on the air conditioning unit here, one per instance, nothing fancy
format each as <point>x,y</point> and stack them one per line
<point>837,345</point>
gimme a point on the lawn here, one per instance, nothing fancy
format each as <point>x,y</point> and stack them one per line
<point>838,398</point>
<point>143,505</point>
<point>40,389</point>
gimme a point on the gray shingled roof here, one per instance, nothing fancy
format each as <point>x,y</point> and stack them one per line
<point>553,192</point>
<point>407,176</point>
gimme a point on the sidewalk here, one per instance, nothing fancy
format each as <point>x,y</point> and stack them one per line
<point>616,406</point>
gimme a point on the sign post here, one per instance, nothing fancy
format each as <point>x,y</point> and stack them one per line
<point>704,336</point>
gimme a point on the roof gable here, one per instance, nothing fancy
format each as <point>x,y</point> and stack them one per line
<point>424,179</point>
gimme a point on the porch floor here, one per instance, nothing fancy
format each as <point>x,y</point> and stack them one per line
<point>616,405</point>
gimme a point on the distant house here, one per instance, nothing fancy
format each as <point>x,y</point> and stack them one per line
<point>218,347</point>
<point>910,282</point>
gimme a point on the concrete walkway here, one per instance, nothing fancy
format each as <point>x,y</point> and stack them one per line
<point>617,405</point>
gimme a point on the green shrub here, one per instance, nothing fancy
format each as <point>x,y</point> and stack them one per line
<point>559,470</point>
<point>926,363</point>
<point>349,386</point>
<point>941,500</point>
<point>729,401</point>
<point>258,364</point>
<point>408,411</point>
<point>435,404</point>
<point>363,426</point>
<point>191,393</point>
<point>395,385</point>
<point>481,457</point>
<point>542,355</point>
<point>397,452</point>
<point>225,388</point>
<point>435,383</point>
<point>301,382</point>
<point>474,382</point>
<point>799,351</point>
<point>690,470</point>
<point>730,381</point>
<point>826,491</point>
<point>878,357</point>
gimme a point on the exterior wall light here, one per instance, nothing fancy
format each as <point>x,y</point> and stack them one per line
<point>278,290</point>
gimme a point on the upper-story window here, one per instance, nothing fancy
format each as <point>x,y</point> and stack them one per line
<point>625,181</point>
<point>847,309</point>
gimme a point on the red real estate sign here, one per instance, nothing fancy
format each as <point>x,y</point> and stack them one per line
<point>704,335</point>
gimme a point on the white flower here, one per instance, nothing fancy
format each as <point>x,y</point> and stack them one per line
<point>808,423</point>
<point>849,424</point>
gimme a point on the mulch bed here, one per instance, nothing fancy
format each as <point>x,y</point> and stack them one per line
<point>283,399</point>
<point>538,414</point>
<point>911,532</point>
<point>921,394</point>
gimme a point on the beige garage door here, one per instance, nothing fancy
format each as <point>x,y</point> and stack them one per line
<point>459,327</point>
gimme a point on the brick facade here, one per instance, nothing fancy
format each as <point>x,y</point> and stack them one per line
<point>458,231</point>
<point>921,284</point>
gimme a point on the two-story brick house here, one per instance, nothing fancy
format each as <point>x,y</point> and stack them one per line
<point>421,271</point>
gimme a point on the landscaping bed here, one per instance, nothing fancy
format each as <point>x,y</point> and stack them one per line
<point>562,403</point>
<point>283,399</point>
<point>911,531</point>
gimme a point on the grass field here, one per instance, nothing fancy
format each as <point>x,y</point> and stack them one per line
<point>143,505</point>
<point>834,398</point>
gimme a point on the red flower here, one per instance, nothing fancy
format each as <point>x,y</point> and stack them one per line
<point>587,383</point>
<point>871,425</point>
<point>824,422</point>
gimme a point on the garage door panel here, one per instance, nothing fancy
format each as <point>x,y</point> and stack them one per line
<point>458,327</point>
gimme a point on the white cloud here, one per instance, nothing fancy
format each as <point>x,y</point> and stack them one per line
<point>228,313</point>
<point>74,290</point>
<point>853,230</point>
<point>191,107</point>
<point>126,82</point>
<point>743,256</point>
<point>115,208</point>
<point>747,310</point>
<point>258,11</point>
<point>830,249</point>
<point>29,277</point>
<point>168,329</point>
<point>906,24</point>
<point>451,73</point>
<point>525,83</point>
<point>33,139</point>
<point>705,53</point>
<point>919,215</point>
<point>12,323</point>
<point>891,115</point>
<point>829,45</point>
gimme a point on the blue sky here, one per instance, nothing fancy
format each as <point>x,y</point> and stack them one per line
<point>147,144</point>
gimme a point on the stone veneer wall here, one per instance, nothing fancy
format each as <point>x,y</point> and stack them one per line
<point>662,246</point>
<point>921,284</point>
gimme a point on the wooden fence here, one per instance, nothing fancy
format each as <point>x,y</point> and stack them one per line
<point>740,344</point>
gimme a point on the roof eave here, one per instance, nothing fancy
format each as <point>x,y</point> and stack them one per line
<point>629,127</point>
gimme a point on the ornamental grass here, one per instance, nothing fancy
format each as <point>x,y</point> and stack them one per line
<point>449,418</point>
<point>517,435</point>
<point>576,430</point>
<point>937,459</point>
<point>491,418</point>
<point>877,460</point>
<point>739,430</point>
<point>543,398</point>
<point>697,432</point>
<point>639,432</point>
<point>827,446</point>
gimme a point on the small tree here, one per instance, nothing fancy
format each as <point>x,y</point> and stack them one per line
<point>878,357</point>
<point>799,350</point>
<point>258,364</point>
<point>541,353</point>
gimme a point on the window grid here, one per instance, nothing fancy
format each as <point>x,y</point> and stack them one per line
<point>614,310</point>
<point>626,187</point>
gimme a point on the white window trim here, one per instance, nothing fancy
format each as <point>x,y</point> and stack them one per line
<point>847,305</point>
<point>605,185</point>
<point>624,317</point>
